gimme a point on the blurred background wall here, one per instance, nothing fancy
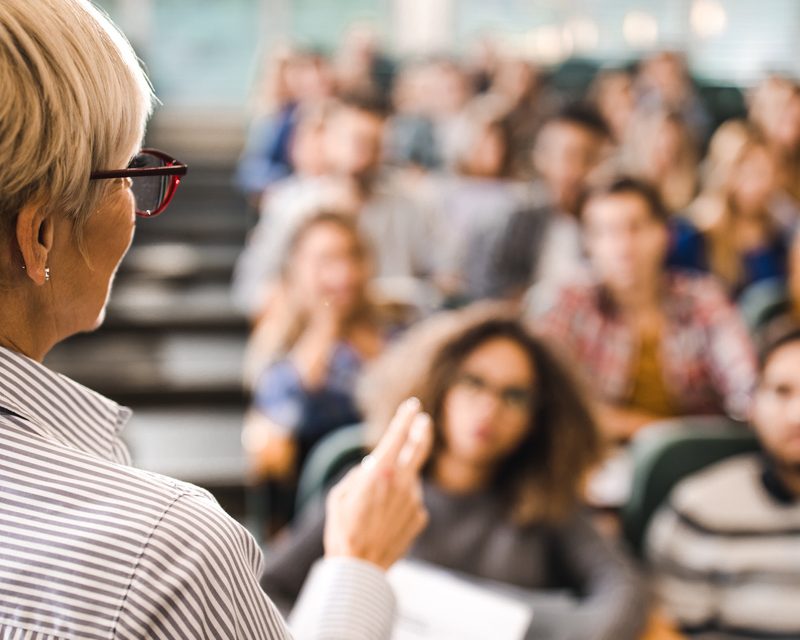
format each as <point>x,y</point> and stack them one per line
<point>203,55</point>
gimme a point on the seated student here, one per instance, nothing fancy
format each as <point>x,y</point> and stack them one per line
<point>401,229</point>
<point>293,80</point>
<point>746,240</point>
<point>306,353</point>
<point>542,242</point>
<point>476,200</point>
<point>779,308</point>
<point>513,440</point>
<point>725,550</point>
<point>653,342</point>
<point>662,150</point>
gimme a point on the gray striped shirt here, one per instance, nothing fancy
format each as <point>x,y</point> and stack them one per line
<point>92,548</point>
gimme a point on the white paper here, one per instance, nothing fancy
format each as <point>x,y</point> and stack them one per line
<point>434,604</point>
<point>611,484</point>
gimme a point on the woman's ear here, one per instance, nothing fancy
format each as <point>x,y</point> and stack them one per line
<point>34,233</point>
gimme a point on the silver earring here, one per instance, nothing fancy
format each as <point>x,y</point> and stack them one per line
<point>47,274</point>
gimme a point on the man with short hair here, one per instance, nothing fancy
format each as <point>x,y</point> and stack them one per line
<point>542,243</point>
<point>726,547</point>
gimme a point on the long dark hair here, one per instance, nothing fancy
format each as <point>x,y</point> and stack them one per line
<point>542,480</point>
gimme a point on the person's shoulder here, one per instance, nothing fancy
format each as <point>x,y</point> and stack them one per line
<point>702,289</point>
<point>567,303</point>
<point>727,496</point>
<point>195,506</point>
<point>580,290</point>
<point>194,520</point>
<point>111,478</point>
<point>160,488</point>
<point>704,484</point>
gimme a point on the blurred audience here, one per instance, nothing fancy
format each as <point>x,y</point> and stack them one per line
<point>291,79</point>
<point>715,170</point>
<point>744,238</point>
<point>359,65</point>
<point>662,150</point>
<point>397,225</point>
<point>542,242</point>
<point>613,94</point>
<point>652,342</point>
<point>787,141</point>
<point>481,61</point>
<point>663,83</point>
<point>306,352</point>
<point>513,441</point>
<point>518,90</point>
<point>725,550</point>
<point>450,91</point>
<point>617,223</point>
<point>476,200</point>
<point>411,135</point>
<point>767,104</point>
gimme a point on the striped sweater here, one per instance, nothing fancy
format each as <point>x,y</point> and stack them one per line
<point>726,553</point>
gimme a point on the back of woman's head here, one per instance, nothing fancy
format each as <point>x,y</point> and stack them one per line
<point>542,478</point>
<point>74,100</point>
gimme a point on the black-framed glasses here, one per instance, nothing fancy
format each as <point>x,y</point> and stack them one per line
<point>517,398</point>
<point>155,177</point>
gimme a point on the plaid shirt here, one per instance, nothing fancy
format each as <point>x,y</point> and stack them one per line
<point>707,357</point>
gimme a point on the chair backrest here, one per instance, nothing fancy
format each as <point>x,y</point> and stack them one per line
<point>330,457</point>
<point>761,302</point>
<point>666,453</point>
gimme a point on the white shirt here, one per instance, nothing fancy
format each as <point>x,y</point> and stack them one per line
<point>92,548</point>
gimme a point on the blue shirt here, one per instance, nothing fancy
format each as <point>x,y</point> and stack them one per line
<point>311,413</point>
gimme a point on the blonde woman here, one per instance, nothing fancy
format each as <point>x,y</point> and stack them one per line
<point>91,547</point>
<point>662,151</point>
<point>744,241</point>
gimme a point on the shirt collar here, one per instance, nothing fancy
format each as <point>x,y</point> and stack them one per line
<point>59,408</point>
<point>773,484</point>
<point>677,305</point>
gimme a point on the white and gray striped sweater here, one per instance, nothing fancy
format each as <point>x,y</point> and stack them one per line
<point>726,553</point>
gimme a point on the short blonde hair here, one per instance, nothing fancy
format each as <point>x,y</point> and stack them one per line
<point>74,99</point>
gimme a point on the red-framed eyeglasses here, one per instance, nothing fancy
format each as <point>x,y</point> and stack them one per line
<point>155,177</point>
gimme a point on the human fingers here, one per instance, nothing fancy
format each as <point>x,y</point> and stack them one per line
<point>418,445</point>
<point>391,444</point>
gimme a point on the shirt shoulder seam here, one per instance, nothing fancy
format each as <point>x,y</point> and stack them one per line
<point>180,494</point>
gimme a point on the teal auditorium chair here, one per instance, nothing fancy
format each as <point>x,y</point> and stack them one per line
<point>762,302</point>
<point>668,452</point>
<point>327,461</point>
